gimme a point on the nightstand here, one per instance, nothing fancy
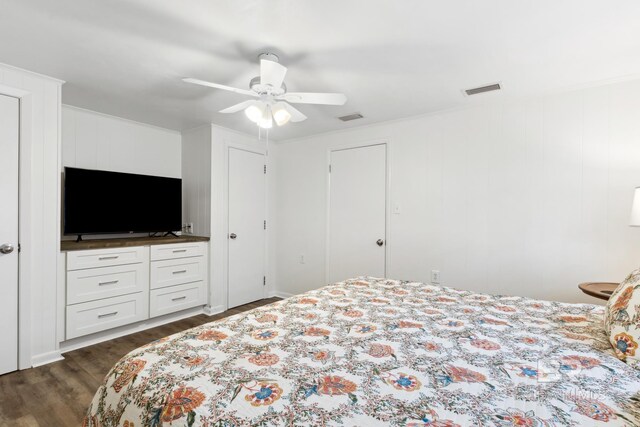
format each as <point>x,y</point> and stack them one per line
<point>602,290</point>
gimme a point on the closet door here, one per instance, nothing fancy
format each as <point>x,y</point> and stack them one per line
<point>357,212</point>
<point>9,124</point>
<point>246,237</point>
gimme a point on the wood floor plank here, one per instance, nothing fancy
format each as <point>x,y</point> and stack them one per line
<point>57,394</point>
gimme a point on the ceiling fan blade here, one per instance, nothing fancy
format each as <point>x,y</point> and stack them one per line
<point>272,73</point>
<point>314,98</point>
<point>238,107</point>
<point>218,86</point>
<point>296,115</point>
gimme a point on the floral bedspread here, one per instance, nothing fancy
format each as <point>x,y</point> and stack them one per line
<point>371,352</point>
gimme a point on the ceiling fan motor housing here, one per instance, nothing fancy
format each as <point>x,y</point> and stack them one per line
<point>269,57</point>
<point>261,89</point>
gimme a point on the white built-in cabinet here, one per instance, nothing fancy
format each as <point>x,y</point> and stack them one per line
<point>112,287</point>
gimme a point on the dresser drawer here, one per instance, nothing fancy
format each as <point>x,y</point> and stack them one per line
<point>177,271</point>
<point>77,260</point>
<point>105,282</point>
<point>176,298</point>
<point>96,316</point>
<point>178,250</point>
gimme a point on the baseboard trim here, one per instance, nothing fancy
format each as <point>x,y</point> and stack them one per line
<point>280,294</point>
<point>122,331</point>
<point>46,358</point>
<point>212,311</point>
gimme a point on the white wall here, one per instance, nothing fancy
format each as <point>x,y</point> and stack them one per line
<point>196,176</point>
<point>527,198</point>
<point>97,141</point>
<point>39,209</point>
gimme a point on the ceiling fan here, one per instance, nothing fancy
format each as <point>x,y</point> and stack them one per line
<point>273,103</point>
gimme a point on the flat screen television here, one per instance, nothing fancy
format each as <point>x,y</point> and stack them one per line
<point>101,202</point>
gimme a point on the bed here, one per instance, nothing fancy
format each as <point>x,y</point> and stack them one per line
<point>371,352</point>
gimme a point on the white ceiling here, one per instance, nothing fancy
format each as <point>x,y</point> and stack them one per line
<point>392,58</point>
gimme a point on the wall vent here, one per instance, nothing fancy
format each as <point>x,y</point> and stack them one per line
<point>483,89</point>
<point>349,117</point>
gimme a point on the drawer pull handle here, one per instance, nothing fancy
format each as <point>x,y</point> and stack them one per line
<point>101,258</point>
<point>110,282</point>
<point>100,316</point>
<point>179,271</point>
<point>178,298</point>
<point>175,251</point>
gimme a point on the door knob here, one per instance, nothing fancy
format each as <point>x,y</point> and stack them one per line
<point>380,242</point>
<point>6,248</point>
<point>233,236</point>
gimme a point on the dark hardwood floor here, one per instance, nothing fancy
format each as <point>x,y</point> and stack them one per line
<point>58,394</point>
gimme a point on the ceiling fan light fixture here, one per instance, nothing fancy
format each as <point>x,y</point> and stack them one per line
<point>266,118</point>
<point>266,122</point>
<point>254,113</point>
<point>281,116</point>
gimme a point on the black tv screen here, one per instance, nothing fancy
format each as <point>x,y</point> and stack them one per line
<point>100,202</point>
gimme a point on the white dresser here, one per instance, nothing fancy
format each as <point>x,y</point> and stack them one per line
<point>111,287</point>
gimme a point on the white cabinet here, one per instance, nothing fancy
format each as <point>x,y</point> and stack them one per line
<point>97,283</point>
<point>178,275</point>
<point>105,257</point>
<point>112,287</point>
<point>177,271</point>
<point>177,250</point>
<point>96,316</point>
<point>176,298</point>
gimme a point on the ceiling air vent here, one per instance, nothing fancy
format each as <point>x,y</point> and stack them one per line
<point>483,89</point>
<point>349,117</point>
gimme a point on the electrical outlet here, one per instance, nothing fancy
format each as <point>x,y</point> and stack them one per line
<point>435,276</point>
<point>187,228</point>
<point>301,259</point>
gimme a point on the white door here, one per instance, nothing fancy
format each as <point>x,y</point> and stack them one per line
<point>246,227</point>
<point>357,212</point>
<point>9,123</point>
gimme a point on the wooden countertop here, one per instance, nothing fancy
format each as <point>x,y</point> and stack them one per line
<point>72,245</point>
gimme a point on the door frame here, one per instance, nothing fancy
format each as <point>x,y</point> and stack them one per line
<point>25,117</point>
<point>387,209</point>
<point>255,150</point>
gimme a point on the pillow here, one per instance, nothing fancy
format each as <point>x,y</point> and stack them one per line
<point>622,319</point>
